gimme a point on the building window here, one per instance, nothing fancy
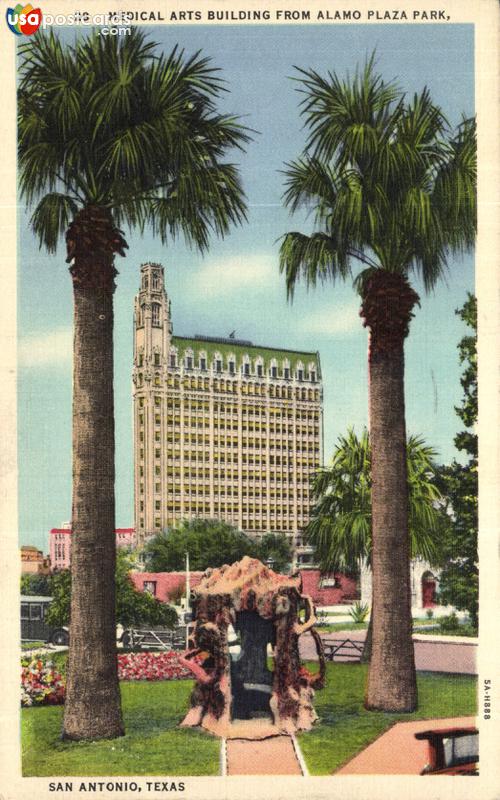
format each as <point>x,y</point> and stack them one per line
<point>259,370</point>
<point>155,314</point>
<point>313,376</point>
<point>145,282</point>
<point>231,367</point>
<point>300,374</point>
<point>189,362</point>
<point>274,372</point>
<point>203,363</point>
<point>156,280</point>
<point>218,365</point>
<point>157,359</point>
<point>173,360</point>
<point>150,587</point>
<point>286,373</point>
<point>246,369</point>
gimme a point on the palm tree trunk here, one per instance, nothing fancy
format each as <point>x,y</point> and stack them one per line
<point>392,677</point>
<point>367,646</point>
<point>92,708</point>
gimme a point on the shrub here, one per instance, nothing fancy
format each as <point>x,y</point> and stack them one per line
<point>449,624</point>
<point>429,613</point>
<point>359,611</point>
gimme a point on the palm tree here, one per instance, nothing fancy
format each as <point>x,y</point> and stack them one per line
<point>393,191</point>
<point>111,133</point>
<point>340,528</point>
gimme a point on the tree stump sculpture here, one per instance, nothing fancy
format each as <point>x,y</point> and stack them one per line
<point>264,608</point>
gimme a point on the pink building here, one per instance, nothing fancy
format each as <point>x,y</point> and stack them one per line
<point>60,544</point>
<point>163,584</point>
<point>331,590</point>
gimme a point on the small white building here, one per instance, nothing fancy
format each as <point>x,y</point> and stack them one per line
<point>424,588</point>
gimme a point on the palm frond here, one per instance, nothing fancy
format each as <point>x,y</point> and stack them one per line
<point>113,124</point>
<point>51,218</point>
<point>389,184</point>
<point>313,258</point>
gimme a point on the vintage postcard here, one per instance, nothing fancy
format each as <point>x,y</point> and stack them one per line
<point>250,399</point>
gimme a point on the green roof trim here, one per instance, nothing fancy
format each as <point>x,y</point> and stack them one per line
<point>240,349</point>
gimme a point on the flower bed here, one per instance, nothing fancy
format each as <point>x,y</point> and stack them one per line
<point>151,667</point>
<point>41,683</point>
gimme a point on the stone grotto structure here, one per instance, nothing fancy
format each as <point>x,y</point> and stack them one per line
<point>242,613</point>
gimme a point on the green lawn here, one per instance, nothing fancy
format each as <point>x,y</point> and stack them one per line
<point>345,727</point>
<point>153,744</point>
<point>31,645</point>
<point>342,626</point>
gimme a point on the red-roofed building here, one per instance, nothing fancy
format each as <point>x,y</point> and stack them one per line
<point>60,544</point>
<point>163,584</point>
<point>329,590</point>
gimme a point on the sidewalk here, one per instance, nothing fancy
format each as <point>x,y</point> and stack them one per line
<point>273,756</point>
<point>453,654</point>
<point>397,752</point>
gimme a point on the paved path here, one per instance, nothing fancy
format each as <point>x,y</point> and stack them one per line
<point>397,752</point>
<point>432,653</point>
<point>273,756</point>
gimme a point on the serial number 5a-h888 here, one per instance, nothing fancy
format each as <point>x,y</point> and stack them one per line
<point>487,700</point>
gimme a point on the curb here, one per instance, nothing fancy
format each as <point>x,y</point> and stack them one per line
<point>300,757</point>
<point>223,758</point>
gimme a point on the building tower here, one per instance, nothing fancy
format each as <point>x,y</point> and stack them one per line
<point>152,335</point>
<point>223,428</point>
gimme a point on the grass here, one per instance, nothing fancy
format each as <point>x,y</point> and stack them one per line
<point>345,727</point>
<point>465,630</point>
<point>342,626</point>
<point>153,744</point>
<point>31,645</point>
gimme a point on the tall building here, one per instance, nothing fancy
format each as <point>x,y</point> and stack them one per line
<point>223,428</point>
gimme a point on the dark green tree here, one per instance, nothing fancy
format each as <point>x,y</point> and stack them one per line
<point>35,584</point>
<point>393,190</point>
<point>274,549</point>
<point>459,579</point>
<point>59,610</point>
<point>340,529</point>
<point>209,542</point>
<point>113,133</point>
<point>132,607</point>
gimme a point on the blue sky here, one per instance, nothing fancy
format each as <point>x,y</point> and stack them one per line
<point>237,285</point>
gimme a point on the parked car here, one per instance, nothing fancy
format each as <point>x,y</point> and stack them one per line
<point>34,627</point>
<point>452,751</point>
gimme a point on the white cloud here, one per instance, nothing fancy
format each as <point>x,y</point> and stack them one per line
<point>52,348</point>
<point>230,274</point>
<point>341,322</point>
